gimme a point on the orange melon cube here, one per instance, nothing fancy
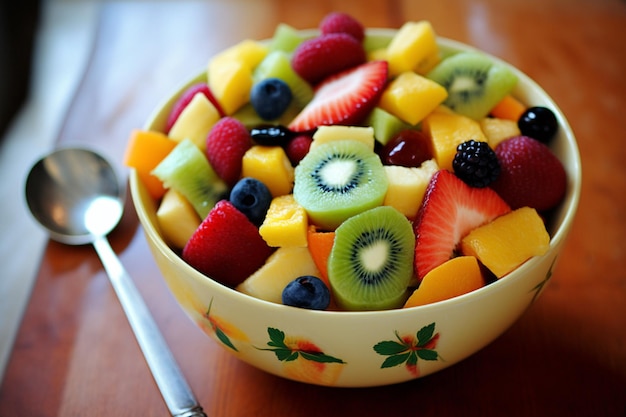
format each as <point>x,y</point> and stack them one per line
<point>452,278</point>
<point>508,108</point>
<point>320,243</point>
<point>508,241</point>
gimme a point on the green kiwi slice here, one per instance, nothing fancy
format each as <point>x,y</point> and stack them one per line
<point>188,171</point>
<point>337,180</point>
<point>475,83</point>
<point>370,264</point>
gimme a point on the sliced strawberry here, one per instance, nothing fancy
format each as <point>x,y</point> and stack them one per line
<point>345,98</point>
<point>338,22</point>
<point>325,55</point>
<point>450,210</point>
<point>226,246</point>
<point>185,98</point>
<point>226,144</point>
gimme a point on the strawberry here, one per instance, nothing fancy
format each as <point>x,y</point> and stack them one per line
<point>345,98</point>
<point>297,148</point>
<point>449,211</point>
<point>338,22</point>
<point>325,55</point>
<point>531,175</point>
<point>185,98</point>
<point>226,246</point>
<point>226,144</point>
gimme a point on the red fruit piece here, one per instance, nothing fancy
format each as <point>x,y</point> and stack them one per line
<point>226,246</point>
<point>531,175</point>
<point>408,148</point>
<point>345,98</point>
<point>297,148</point>
<point>325,55</point>
<point>338,22</point>
<point>226,144</point>
<point>450,210</point>
<point>185,98</point>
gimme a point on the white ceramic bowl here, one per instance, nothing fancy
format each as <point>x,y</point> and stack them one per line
<point>355,349</point>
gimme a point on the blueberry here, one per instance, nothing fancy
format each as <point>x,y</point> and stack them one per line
<point>307,292</point>
<point>539,123</point>
<point>252,198</point>
<point>270,98</point>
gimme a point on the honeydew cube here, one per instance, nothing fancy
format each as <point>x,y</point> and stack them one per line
<point>407,186</point>
<point>286,38</point>
<point>412,97</point>
<point>195,121</point>
<point>496,130</point>
<point>286,223</point>
<point>413,48</point>
<point>177,219</point>
<point>447,131</point>
<point>385,125</point>
<point>325,134</point>
<point>271,166</point>
<point>508,241</point>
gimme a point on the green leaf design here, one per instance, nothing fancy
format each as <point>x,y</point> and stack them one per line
<point>427,354</point>
<point>320,357</point>
<point>395,360</point>
<point>389,347</point>
<point>219,333</point>
<point>286,354</point>
<point>407,351</point>
<point>425,334</point>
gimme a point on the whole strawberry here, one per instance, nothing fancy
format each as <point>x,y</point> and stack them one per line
<point>338,22</point>
<point>325,55</point>
<point>226,246</point>
<point>531,175</point>
<point>226,144</point>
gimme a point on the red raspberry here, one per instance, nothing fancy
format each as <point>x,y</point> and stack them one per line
<point>226,144</point>
<point>297,148</point>
<point>531,175</point>
<point>338,22</point>
<point>226,246</point>
<point>319,57</point>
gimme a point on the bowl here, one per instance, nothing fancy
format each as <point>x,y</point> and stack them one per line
<point>361,349</point>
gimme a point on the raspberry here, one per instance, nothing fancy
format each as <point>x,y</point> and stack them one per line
<point>476,163</point>
<point>226,144</point>
<point>338,22</point>
<point>297,148</point>
<point>319,57</point>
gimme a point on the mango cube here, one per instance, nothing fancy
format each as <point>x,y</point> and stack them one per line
<point>508,241</point>
<point>195,121</point>
<point>271,166</point>
<point>286,223</point>
<point>411,97</point>
<point>413,48</point>
<point>177,219</point>
<point>325,134</point>
<point>496,130</point>
<point>407,186</point>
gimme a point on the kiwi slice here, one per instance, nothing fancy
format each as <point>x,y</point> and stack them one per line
<point>370,264</point>
<point>286,38</point>
<point>186,170</point>
<point>277,64</point>
<point>337,180</point>
<point>475,83</point>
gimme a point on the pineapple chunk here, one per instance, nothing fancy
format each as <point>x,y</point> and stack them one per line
<point>286,223</point>
<point>508,241</point>
<point>271,166</point>
<point>195,121</point>
<point>496,130</point>
<point>407,186</point>
<point>447,131</point>
<point>177,219</point>
<point>411,97</point>
<point>325,134</point>
<point>413,48</point>
<point>283,266</point>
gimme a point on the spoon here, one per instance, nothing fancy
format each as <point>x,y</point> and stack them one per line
<point>76,195</point>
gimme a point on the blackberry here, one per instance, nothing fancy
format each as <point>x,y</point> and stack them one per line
<point>476,163</point>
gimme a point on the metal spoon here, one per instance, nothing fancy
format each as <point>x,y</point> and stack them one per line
<point>76,195</point>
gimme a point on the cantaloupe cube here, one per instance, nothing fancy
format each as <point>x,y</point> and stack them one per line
<point>177,219</point>
<point>496,130</point>
<point>195,121</point>
<point>325,134</point>
<point>286,223</point>
<point>457,276</point>
<point>407,186</point>
<point>447,131</point>
<point>508,241</point>
<point>413,48</point>
<point>411,97</point>
<point>271,166</point>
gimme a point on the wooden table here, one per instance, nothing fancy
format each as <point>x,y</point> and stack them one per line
<point>76,356</point>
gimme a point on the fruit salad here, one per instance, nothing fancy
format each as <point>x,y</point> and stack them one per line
<point>344,171</point>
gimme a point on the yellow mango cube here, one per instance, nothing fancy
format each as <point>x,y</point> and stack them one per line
<point>271,166</point>
<point>407,186</point>
<point>496,130</point>
<point>286,223</point>
<point>195,121</point>
<point>508,241</point>
<point>325,134</point>
<point>447,131</point>
<point>413,48</point>
<point>177,219</point>
<point>248,52</point>
<point>412,97</point>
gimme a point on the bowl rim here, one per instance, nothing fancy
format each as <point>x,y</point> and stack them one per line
<point>567,209</point>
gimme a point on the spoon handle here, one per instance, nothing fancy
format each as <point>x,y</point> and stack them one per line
<point>170,380</point>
